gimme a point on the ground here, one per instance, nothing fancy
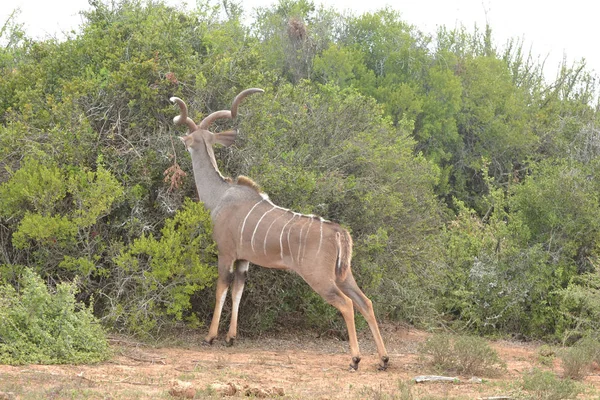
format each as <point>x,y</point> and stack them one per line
<point>287,366</point>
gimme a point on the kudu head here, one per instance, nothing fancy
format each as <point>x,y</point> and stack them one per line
<point>199,135</point>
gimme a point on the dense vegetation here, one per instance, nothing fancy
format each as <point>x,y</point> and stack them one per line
<point>47,328</point>
<point>469,182</point>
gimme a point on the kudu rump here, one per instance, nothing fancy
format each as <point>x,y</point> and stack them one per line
<point>248,227</point>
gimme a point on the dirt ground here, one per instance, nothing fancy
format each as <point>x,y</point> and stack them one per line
<point>292,366</point>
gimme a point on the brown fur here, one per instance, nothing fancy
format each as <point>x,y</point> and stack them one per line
<point>245,181</point>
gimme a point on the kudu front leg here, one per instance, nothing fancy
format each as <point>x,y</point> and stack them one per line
<point>237,289</point>
<point>223,282</point>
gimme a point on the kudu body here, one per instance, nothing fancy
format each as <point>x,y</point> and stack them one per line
<point>248,227</point>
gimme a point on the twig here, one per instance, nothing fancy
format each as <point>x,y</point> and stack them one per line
<point>159,360</point>
<point>126,380</point>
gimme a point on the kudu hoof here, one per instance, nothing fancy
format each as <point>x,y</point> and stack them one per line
<point>384,363</point>
<point>354,365</point>
<point>207,342</point>
<point>229,342</point>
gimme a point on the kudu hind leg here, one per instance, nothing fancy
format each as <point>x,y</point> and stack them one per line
<point>237,289</point>
<point>365,307</point>
<point>223,282</point>
<point>334,296</point>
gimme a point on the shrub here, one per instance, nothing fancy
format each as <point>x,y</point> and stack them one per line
<point>440,352</point>
<point>577,360</point>
<point>546,355</point>
<point>42,326</point>
<point>544,385</point>
<point>475,356</point>
<point>462,354</point>
<point>158,276</point>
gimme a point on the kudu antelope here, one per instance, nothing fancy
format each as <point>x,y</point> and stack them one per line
<point>248,227</point>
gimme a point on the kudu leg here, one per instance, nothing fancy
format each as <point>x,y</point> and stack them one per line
<point>223,282</point>
<point>334,296</point>
<point>365,306</point>
<point>237,289</point>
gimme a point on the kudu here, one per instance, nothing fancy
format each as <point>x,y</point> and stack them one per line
<point>248,227</point>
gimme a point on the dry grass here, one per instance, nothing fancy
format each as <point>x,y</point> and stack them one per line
<point>303,366</point>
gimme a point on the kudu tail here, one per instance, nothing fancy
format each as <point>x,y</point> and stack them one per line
<point>344,253</point>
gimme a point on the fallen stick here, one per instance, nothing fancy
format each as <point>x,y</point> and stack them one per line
<point>435,378</point>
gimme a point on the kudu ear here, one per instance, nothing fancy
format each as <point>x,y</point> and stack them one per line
<point>187,140</point>
<point>225,138</point>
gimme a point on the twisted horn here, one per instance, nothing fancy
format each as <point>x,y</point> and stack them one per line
<point>206,122</point>
<point>226,113</point>
<point>238,99</point>
<point>183,118</point>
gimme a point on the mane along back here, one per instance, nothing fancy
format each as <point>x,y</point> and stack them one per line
<point>245,181</point>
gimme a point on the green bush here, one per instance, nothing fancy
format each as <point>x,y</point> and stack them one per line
<point>467,355</point>
<point>546,355</point>
<point>544,385</point>
<point>42,326</point>
<point>156,277</point>
<point>580,301</point>
<point>365,120</point>
<point>577,360</point>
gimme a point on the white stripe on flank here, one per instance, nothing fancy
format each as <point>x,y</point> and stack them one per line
<point>245,219</point>
<point>300,239</point>
<point>281,236</point>
<point>339,250</point>
<point>267,233</point>
<point>256,227</point>
<point>312,218</point>
<point>321,234</point>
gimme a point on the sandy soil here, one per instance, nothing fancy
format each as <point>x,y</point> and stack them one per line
<point>292,366</point>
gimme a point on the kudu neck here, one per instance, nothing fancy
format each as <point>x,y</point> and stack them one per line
<point>210,184</point>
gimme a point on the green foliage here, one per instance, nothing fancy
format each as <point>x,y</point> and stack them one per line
<point>493,120</point>
<point>516,262</point>
<point>34,186</point>
<point>396,54</point>
<point>544,385</point>
<point>468,355</point>
<point>44,230</point>
<point>56,212</point>
<point>579,301</point>
<point>466,180</point>
<point>161,275</point>
<point>44,326</point>
<point>343,67</point>
<point>577,360</point>
<point>557,204</point>
<point>546,355</point>
<point>291,33</point>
